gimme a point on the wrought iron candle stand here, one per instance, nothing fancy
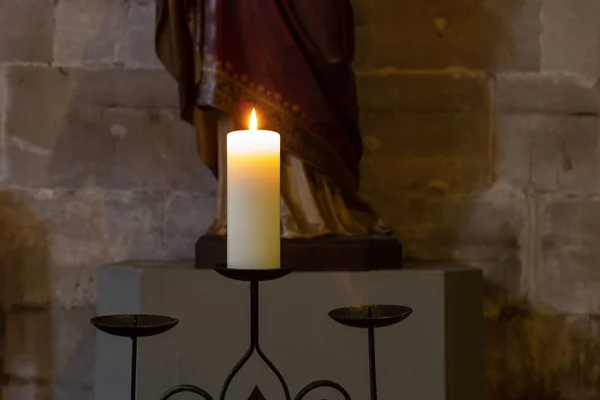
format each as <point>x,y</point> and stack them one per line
<point>367,317</point>
<point>134,327</point>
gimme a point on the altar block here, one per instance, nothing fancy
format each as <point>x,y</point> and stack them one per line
<point>435,354</point>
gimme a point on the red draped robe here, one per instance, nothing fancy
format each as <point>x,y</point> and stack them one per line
<point>291,60</point>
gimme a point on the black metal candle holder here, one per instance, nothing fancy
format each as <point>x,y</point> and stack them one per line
<point>134,326</point>
<point>368,317</point>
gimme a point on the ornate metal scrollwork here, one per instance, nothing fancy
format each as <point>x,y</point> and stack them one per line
<point>366,316</point>
<point>320,384</point>
<point>186,388</point>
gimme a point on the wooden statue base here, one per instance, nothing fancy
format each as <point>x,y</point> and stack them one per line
<point>333,253</point>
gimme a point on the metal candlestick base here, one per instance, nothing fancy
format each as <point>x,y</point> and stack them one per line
<point>371,317</point>
<point>253,276</point>
<point>134,327</point>
<point>366,316</point>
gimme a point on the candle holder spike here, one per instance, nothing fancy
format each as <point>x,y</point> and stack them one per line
<point>256,394</point>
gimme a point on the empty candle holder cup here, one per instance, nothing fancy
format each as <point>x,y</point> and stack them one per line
<point>134,326</point>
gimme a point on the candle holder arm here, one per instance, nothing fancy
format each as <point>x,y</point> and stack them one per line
<point>186,388</point>
<point>235,370</point>
<point>275,371</point>
<point>254,346</point>
<point>321,384</point>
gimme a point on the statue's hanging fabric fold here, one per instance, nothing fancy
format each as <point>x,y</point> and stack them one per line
<point>292,60</point>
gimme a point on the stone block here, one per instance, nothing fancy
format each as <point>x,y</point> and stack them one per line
<point>122,88</point>
<point>3,112</point>
<point>127,224</point>
<point>567,279</point>
<point>74,391</point>
<point>424,92</point>
<point>556,152</point>
<point>54,240</point>
<point>188,216</point>
<point>481,34</point>
<point>492,226</point>
<point>28,346</point>
<point>571,36</point>
<point>448,137</point>
<point>493,236</point>
<point>78,139</point>
<point>108,149</point>
<point>426,152</point>
<point>590,362</point>
<point>466,174</point>
<point>565,153</point>
<point>477,227</point>
<point>100,32</point>
<point>134,225</point>
<point>24,257</point>
<point>28,390</point>
<point>494,354</point>
<point>547,93</point>
<point>106,87</point>
<point>513,149</point>
<point>26,28</point>
<point>74,288</point>
<point>138,47</point>
<point>88,32</point>
<point>51,349</point>
<point>540,354</point>
<point>74,342</point>
<point>502,277</point>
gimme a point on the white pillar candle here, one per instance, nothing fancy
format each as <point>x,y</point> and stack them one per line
<point>253,210</point>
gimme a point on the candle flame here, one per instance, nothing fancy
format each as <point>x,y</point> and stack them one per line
<point>253,121</point>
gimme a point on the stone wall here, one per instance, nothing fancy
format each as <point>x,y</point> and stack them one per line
<point>480,120</point>
<point>481,123</point>
<point>95,167</point>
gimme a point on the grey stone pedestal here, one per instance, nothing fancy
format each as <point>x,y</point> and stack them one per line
<point>437,353</point>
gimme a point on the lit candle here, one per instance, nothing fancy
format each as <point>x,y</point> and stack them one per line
<point>253,223</point>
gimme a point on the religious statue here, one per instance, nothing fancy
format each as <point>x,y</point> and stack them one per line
<point>292,61</point>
